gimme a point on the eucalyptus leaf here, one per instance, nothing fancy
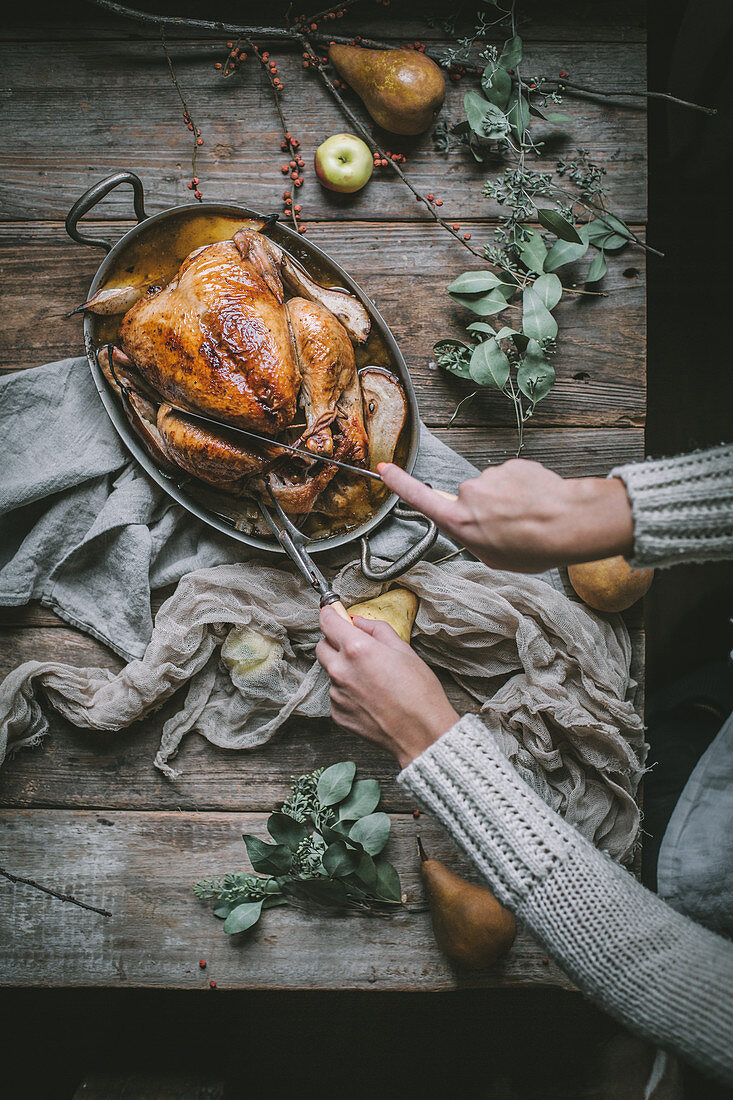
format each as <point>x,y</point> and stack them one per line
<point>536,112</point>
<point>323,891</point>
<point>388,881</point>
<point>335,782</point>
<point>243,917</point>
<point>363,799</point>
<point>339,860</point>
<point>481,326</point>
<point>365,874</point>
<point>560,226</point>
<point>608,232</point>
<point>533,251</point>
<point>564,252</point>
<point>537,321</point>
<point>476,108</point>
<point>489,365</point>
<point>474,282</point>
<point>511,53</point>
<point>597,269</point>
<point>270,859</point>
<point>284,829</point>
<point>273,901</point>
<point>483,304</point>
<point>222,910</point>
<point>548,289</point>
<point>558,117</point>
<point>518,114</point>
<point>535,375</point>
<point>372,832</point>
<point>461,406</point>
<point>497,86</point>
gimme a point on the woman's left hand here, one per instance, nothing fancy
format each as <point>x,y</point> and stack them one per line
<point>380,688</point>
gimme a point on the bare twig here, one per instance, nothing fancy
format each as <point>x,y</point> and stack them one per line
<point>187,116</point>
<point>54,893</point>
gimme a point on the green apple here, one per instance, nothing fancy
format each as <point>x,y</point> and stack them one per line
<point>343,163</point>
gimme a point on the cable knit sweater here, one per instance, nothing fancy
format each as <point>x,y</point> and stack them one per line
<point>682,507</point>
<point>655,970</point>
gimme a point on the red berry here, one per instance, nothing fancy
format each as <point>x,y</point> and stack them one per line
<point>456,226</point>
<point>197,195</point>
<point>288,201</point>
<point>415,813</point>
<point>430,197</point>
<point>284,169</point>
<point>302,229</point>
<point>212,985</point>
<point>229,45</point>
<point>202,964</point>
<point>243,57</point>
<point>273,70</point>
<point>286,195</point>
<point>297,209</point>
<point>314,26</point>
<point>438,202</point>
<point>190,126</point>
<point>563,73</point>
<point>190,186</point>
<point>306,64</point>
<point>298,183</point>
<point>293,164</point>
<point>293,175</point>
<point>295,144</point>
<point>217,65</point>
<point>266,56</point>
<point>467,236</point>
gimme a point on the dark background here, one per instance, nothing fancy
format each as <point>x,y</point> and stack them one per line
<point>514,1044</point>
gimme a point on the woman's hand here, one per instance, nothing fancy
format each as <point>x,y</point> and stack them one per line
<point>523,517</point>
<point>380,688</point>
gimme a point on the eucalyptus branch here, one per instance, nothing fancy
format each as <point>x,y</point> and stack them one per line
<point>53,893</point>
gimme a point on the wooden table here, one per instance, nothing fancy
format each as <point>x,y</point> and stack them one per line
<point>87,813</point>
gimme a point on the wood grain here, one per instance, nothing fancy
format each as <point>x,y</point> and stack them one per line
<point>77,769</point>
<point>600,363</point>
<point>101,110</point>
<point>141,866</point>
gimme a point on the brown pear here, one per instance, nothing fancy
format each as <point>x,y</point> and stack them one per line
<point>403,90</point>
<point>610,584</point>
<point>470,925</point>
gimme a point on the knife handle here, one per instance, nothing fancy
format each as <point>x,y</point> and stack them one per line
<point>334,602</point>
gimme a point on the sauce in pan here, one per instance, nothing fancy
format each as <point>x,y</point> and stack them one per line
<point>152,258</point>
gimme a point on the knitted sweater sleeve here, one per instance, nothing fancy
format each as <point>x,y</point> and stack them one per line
<point>682,507</point>
<point>652,968</point>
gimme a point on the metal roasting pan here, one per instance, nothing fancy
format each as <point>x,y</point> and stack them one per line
<point>303,251</point>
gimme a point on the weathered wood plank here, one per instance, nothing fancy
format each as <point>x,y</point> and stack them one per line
<point>101,110</point>
<point>77,769</point>
<point>141,866</point>
<point>600,363</point>
<point>572,21</point>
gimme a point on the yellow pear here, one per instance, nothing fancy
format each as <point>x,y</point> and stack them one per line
<point>470,925</point>
<point>398,607</point>
<point>403,90</point>
<point>609,584</point>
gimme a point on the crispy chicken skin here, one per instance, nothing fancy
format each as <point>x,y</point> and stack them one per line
<point>217,336</point>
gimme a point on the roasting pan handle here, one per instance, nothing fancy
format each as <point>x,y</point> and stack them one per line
<point>410,557</point>
<point>97,192</point>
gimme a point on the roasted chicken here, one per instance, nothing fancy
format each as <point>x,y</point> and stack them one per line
<point>223,338</point>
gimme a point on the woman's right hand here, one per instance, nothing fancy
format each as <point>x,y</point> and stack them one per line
<point>523,517</point>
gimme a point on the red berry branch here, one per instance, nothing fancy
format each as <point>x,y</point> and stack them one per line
<point>198,141</point>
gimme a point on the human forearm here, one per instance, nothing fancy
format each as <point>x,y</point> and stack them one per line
<point>682,507</point>
<point>653,969</point>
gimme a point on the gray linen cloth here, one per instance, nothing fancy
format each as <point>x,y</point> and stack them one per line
<point>87,533</point>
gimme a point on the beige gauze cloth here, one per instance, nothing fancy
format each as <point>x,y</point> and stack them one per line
<point>551,677</point>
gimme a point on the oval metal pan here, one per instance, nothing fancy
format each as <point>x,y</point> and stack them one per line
<point>286,238</point>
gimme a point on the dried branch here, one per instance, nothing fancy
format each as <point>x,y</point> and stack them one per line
<point>54,893</point>
<point>187,116</point>
<point>293,35</point>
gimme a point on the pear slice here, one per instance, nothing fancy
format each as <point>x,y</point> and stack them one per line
<point>398,607</point>
<point>385,412</point>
